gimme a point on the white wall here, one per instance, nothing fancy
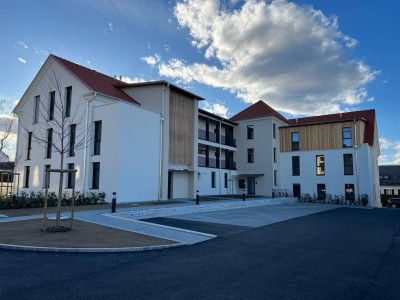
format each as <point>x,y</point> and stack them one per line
<point>204,182</point>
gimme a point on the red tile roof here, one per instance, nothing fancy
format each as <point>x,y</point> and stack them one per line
<point>367,115</point>
<point>96,81</point>
<point>258,109</point>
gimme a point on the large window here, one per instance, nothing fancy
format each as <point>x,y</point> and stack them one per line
<point>274,130</point>
<point>52,101</point>
<point>68,100</point>
<point>348,164</point>
<point>27,174</point>
<point>349,192</point>
<point>96,175</point>
<point>295,141</point>
<point>321,191</point>
<point>72,134</point>
<point>346,136</point>
<point>250,132</point>
<point>70,177</point>
<point>46,167</point>
<point>97,137</point>
<point>213,185</point>
<point>49,146</point>
<point>320,159</point>
<point>36,110</point>
<point>29,150</point>
<point>250,155</point>
<point>296,165</point>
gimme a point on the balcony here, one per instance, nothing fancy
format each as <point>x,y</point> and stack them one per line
<point>229,141</point>
<point>213,137</point>
<point>213,163</point>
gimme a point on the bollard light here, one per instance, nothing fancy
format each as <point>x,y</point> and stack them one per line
<point>244,195</point>
<point>197,198</point>
<point>114,202</point>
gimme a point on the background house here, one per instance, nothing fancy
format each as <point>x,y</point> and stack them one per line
<point>389,177</point>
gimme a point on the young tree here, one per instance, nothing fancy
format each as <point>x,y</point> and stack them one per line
<point>60,125</point>
<point>8,128</point>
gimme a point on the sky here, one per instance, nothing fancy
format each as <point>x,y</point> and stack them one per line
<point>302,57</point>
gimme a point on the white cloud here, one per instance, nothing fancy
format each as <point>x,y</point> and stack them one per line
<point>152,59</point>
<point>390,152</point>
<point>215,108</point>
<point>110,27</point>
<point>22,60</point>
<point>292,56</point>
<point>23,45</point>
<point>132,80</point>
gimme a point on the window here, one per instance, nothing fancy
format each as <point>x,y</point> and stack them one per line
<point>250,155</point>
<point>346,136</point>
<point>274,130</point>
<point>72,134</point>
<point>348,164</point>
<point>96,175</point>
<point>49,146</point>
<point>52,100</point>
<point>321,191</point>
<point>250,132</point>
<point>349,192</point>
<point>201,151</point>
<point>226,180</point>
<point>27,173</point>
<point>320,164</point>
<point>275,177</point>
<point>71,177</point>
<point>296,165</point>
<point>213,180</point>
<point>46,167</point>
<point>68,99</point>
<point>29,151</point>
<point>37,108</point>
<point>274,155</point>
<point>295,141</point>
<point>97,137</point>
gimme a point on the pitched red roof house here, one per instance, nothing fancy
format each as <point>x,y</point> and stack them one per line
<point>96,81</point>
<point>368,116</point>
<point>258,109</point>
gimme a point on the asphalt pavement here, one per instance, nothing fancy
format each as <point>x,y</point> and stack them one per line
<point>342,253</point>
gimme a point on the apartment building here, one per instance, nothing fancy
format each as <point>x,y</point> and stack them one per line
<point>389,178</point>
<point>334,155</point>
<point>216,153</point>
<point>138,140</point>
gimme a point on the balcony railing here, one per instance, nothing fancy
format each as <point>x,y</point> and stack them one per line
<point>213,163</point>
<point>229,141</point>
<point>213,137</point>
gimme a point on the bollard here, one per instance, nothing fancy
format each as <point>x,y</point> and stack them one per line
<point>114,202</point>
<point>244,196</point>
<point>273,193</point>
<point>197,198</point>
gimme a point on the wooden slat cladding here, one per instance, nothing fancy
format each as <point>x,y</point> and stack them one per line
<point>321,136</point>
<point>181,116</point>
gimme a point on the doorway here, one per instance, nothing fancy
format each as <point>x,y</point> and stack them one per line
<point>170,184</point>
<point>296,190</point>
<point>251,185</point>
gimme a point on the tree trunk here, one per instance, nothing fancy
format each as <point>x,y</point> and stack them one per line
<point>60,185</point>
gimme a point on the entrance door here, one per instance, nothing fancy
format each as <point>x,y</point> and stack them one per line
<point>296,190</point>
<point>170,184</point>
<point>251,185</point>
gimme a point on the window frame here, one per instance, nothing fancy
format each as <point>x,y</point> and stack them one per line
<point>27,175</point>
<point>68,101</point>
<point>213,180</point>
<point>294,167</point>
<point>320,166</point>
<point>345,139</point>
<point>95,175</point>
<point>352,194</point>
<point>275,155</point>
<point>49,146</point>
<point>70,177</point>
<point>29,148</point>
<point>46,167</point>
<point>36,109</point>
<point>346,164</point>
<point>52,103</point>
<point>295,143</point>
<point>72,137</point>
<point>250,155</point>
<point>250,132</point>
<point>97,137</point>
<point>274,130</point>
<point>321,194</point>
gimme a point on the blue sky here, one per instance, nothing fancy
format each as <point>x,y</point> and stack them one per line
<point>302,57</point>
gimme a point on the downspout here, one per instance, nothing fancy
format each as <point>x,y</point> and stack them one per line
<point>86,142</point>
<point>219,157</point>
<point>356,158</point>
<point>160,181</point>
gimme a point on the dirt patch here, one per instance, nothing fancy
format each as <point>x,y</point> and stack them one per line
<point>83,235</point>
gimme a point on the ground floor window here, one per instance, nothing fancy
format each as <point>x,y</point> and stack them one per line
<point>46,167</point>
<point>27,174</point>
<point>275,177</point>
<point>213,180</point>
<point>226,180</point>
<point>349,191</point>
<point>96,175</point>
<point>70,177</point>
<point>321,191</point>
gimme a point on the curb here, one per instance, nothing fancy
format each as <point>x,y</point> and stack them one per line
<point>88,250</point>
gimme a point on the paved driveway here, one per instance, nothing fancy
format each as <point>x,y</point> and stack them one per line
<point>336,254</point>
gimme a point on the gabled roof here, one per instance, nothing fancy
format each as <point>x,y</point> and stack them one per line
<point>216,117</point>
<point>257,110</point>
<point>368,116</point>
<point>96,81</point>
<point>121,84</point>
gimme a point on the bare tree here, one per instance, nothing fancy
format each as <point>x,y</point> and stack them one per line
<point>8,127</point>
<point>60,126</point>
